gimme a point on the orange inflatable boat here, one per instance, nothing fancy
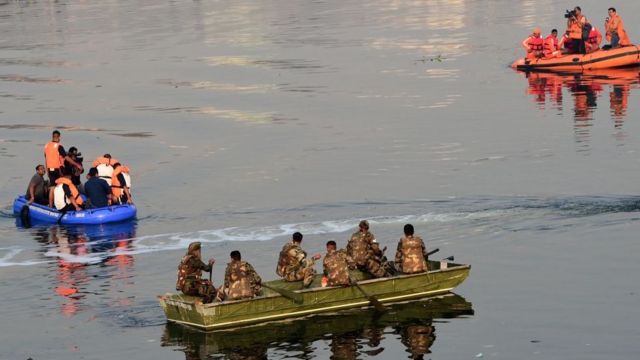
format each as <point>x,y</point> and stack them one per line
<point>599,59</point>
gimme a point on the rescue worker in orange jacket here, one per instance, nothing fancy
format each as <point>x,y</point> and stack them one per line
<point>55,156</point>
<point>594,40</point>
<point>534,45</point>
<point>575,23</point>
<point>120,184</point>
<point>615,32</point>
<point>104,165</point>
<point>551,46</point>
<point>65,195</point>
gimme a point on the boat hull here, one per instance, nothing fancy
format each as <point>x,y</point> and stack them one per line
<point>44,214</point>
<point>626,56</point>
<point>190,311</point>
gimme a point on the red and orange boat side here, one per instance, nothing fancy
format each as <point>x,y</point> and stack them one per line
<point>599,59</point>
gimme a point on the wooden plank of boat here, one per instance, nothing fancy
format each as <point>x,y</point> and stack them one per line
<point>190,311</point>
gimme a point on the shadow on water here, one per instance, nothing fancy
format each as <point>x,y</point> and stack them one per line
<point>350,334</point>
<point>585,88</point>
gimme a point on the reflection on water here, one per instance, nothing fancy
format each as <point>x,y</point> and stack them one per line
<point>586,90</point>
<point>348,335</point>
<point>77,249</point>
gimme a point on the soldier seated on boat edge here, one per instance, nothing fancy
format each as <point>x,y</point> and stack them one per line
<point>293,264</point>
<point>190,280</point>
<point>366,253</point>
<point>411,255</point>
<point>336,265</point>
<point>241,281</point>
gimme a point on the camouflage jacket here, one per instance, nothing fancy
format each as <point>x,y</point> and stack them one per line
<point>190,270</point>
<point>411,255</point>
<point>360,247</point>
<point>336,266</point>
<point>241,280</point>
<point>291,259</point>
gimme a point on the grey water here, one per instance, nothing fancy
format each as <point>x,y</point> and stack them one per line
<point>244,121</point>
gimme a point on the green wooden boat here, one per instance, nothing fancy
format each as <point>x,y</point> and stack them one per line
<point>356,331</point>
<point>189,310</point>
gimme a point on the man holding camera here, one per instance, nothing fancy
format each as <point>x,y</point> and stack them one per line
<point>575,23</point>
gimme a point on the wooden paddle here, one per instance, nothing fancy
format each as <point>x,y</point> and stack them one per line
<point>295,297</point>
<point>372,299</point>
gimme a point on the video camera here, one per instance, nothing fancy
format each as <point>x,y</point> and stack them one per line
<point>569,14</point>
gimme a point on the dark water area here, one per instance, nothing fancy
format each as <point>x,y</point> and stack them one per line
<point>244,121</point>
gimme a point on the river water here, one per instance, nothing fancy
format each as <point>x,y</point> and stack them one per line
<point>244,121</point>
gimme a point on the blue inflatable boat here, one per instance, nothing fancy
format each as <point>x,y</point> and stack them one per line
<point>37,213</point>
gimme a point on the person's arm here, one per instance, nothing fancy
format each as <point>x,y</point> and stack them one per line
<point>398,258</point>
<point>525,45</point>
<point>72,199</point>
<point>123,183</point>
<point>227,277</point>
<point>32,192</point>
<point>254,274</point>
<point>107,190</point>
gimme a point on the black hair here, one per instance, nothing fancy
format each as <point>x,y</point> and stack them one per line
<point>297,236</point>
<point>55,132</point>
<point>331,243</point>
<point>235,255</point>
<point>73,149</point>
<point>554,31</point>
<point>37,166</point>
<point>93,171</point>
<point>408,229</point>
<point>612,9</point>
<point>577,8</point>
<point>108,156</point>
<point>116,165</point>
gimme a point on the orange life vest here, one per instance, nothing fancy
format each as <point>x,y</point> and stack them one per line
<point>104,160</point>
<point>116,186</point>
<point>52,156</point>
<point>575,30</point>
<point>593,36</point>
<point>535,43</point>
<point>74,190</point>
<point>550,45</point>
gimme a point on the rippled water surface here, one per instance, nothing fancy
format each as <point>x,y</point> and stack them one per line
<point>244,121</point>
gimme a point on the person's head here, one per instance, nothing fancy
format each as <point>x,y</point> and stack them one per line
<point>194,249</point>
<point>577,10</point>
<point>108,156</point>
<point>235,255</point>
<point>536,32</point>
<point>297,237</point>
<point>408,230</point>
<point>363,225</point>
<point>92,172</point>
<point>55,136</point>
<point>612,11</point>
<point>331,245</point>
<point>554,32</point>
<point>116,165</point>
<point>40,169</point>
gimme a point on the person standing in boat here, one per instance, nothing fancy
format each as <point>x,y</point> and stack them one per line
<point>365,252</point>
<point>75,172</point>
<point>37,189</point>
<point>293,264</point>
<point>575,23</point>
<point>241,281</point>
<point>97,190</point>
<point>411,255</point>
<point>65,196</point>
<point>55,157</point>
<point>190,270</point>
<point>336,266</point>
<point>534,45</point>
<point>615,32</point>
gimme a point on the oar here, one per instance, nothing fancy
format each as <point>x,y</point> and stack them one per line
<point>372,299</point>
<point>433,251</point>
<point>295,297</point>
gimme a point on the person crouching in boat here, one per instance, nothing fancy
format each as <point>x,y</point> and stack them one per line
<point>534,45</point>
<point>594,40</point>
<point>551,47</point>
<point>190,280</point>
<point>336,266</point>
<point>241,281</point>
<point>293,264</point>
<point>365,251</point>
<point>37,190</point>
<point>65,195</point>
<point>411,256</point>
<point>615,32</point>
<point>121,184</point>
<point>97,190</point>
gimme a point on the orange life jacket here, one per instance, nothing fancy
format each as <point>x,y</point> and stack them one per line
<point>535,43</point>
<point>593,36</point>
<point>52,156</point>
<point>116,186</point>
<point>104,160</point>
<point>575,30</point>
<point>74,190</point>
<point>550,45</point>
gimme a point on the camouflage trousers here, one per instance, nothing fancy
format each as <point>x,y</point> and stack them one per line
<point>233,294</point>
<point>374,266</point>
<point>201,288</point>
<point>306,274</point>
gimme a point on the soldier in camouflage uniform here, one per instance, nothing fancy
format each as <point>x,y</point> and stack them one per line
<point>336,266</point>
<point>293,264</point>
<point>365,251</point>
<point>190,273</point>
<point>411,256</point>
<point>241,281</point>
